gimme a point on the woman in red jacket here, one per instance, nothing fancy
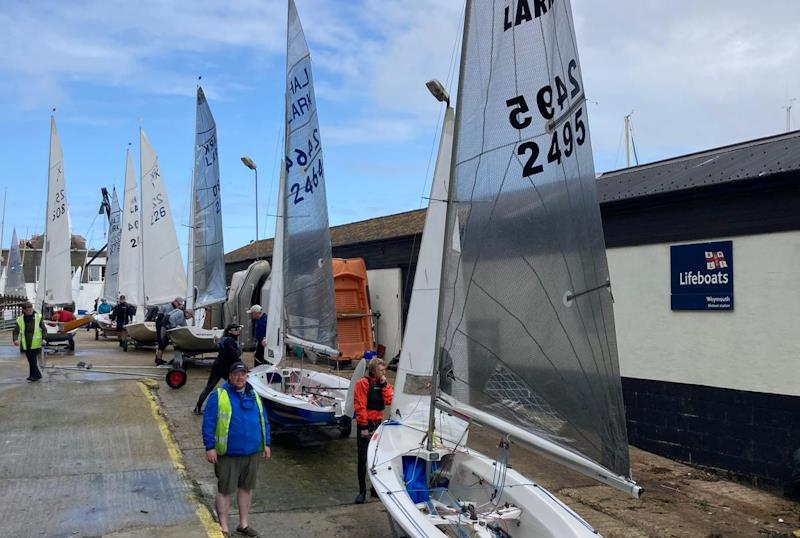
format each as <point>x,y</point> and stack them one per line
<point>372,394</point>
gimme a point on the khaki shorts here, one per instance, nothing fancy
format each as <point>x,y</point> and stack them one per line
<point>236,472</point>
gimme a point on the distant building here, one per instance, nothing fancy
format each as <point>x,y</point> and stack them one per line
<point>716,387</point>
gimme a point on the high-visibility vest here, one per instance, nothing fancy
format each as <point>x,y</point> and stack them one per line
<point>224,412</point>
<point>36,341</point>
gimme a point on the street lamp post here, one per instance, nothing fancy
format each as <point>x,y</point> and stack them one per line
<point>248,162</point>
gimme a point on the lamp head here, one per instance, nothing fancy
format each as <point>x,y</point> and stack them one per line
<point>248,162</point>
<point>437,90</point>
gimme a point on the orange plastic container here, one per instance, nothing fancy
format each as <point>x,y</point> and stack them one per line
<point>353,314</point>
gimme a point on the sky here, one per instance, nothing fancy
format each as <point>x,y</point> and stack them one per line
<point>694,75</point>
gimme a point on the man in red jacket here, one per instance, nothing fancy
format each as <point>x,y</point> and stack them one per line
<point>371,395</point>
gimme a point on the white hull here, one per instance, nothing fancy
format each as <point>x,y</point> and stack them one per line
<point>299,397</point>
<point>195,339</point>
<point>524,509</point>
<point>143,332</point>
<point>53,334</point>
<point>103,321</point>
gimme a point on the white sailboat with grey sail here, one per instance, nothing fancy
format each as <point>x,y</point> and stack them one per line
<point>302,310</point>
<point>15,278</point>
<point>114,243</point>
<point>163,276</point>
<point>524,337</point>
<point>206,267</point>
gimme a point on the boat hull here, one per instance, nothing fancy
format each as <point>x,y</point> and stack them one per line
<point>533,510</point>
<point>195,339</point>
<point>297,398</point>
<point>143,332</point>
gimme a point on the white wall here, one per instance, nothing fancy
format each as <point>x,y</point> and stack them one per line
<point>756,347</point>
<point>384,297</point>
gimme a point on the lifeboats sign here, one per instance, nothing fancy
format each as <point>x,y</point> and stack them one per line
<point>702,276</point>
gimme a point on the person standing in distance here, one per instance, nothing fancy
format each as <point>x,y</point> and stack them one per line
<point>259,320</point>
<point>28,335</point>
<point>229,353</point>
<point>166,313</point>
<point>371,395</point>
<point>236,436</point>
<point>121,315</point>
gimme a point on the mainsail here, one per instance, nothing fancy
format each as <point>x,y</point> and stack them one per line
<point>527,326</point>
<point>162,264</point>
<point>130,254</point>
<point>15,278</point>
<point>111,281</point>
<point>419,339</point>
<point>310,311</point>
<point>209,252</point>
<point>55,286</point>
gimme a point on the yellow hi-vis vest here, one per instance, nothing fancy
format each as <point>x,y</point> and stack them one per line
<point>36,341</point>
<point>224,421</point>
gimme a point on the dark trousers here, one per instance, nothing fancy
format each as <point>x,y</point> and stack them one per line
<point>363,444</point>
<point>213,379</point>
<point>258,357</point>
<point>33,362</point>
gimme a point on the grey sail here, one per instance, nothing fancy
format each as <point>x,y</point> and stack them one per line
<point>209,252</point>
<point>15,279</point>
<point>111,282</point>
<point>310,311</point>
<point>526,328</point>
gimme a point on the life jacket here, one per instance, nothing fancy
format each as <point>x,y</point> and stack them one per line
<point>375,396</point>
<point>224,413</point>
<point>36,340</point>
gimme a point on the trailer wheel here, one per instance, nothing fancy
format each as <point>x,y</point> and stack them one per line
<point>71,344</point>
<point>176,378</point>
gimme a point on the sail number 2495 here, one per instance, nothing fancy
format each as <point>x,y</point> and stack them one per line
<point>563,136</point>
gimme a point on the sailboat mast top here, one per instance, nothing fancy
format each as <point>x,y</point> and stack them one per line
<point>448,235</point>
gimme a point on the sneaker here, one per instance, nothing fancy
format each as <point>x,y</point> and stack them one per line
<point>29,378</point>
<point>360,498</point>
<point>160,362</point>
<point>197,410</point>
<point>247,531</point>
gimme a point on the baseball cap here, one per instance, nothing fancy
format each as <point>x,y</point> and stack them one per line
<point>255,308</point>
<point>230,326</point>
<point>238,367</point>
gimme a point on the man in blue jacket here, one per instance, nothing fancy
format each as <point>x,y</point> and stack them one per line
<point>259,320</point>
<point>235,435</point>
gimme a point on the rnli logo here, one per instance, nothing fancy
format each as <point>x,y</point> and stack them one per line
<point>715,260</point>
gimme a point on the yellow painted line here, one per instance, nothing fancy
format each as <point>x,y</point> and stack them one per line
<point>175,455</point>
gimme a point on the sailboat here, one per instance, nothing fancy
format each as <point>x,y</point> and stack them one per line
<point>163,277</point>
<point>111,280</point>
<point>55,275</point>
<point>524,338</point>
<point>15,279</point>
<point>302,311</point>
<point>206,267</point>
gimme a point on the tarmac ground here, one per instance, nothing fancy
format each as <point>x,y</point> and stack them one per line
<point>93,453</point>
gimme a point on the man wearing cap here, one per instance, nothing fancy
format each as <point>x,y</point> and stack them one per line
<point>259,320</point>
<point>28,333</point>
<point>169,317</point>
<point>229,354</point>
<point>236,436</point>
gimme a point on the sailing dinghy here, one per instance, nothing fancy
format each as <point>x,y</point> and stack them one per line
<point>55,274</point>
<point>15,279</point>
<point>206,267</point>
<point>163,277</point>
<point>302,310</point>
<point>111,281</point>
<point>524,328</point>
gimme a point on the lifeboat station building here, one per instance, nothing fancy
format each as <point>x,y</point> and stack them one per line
<point>704,260</point>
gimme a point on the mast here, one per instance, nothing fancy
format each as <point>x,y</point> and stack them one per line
<point>190,253</point>
<point>448,236</point>
<point>141,226</point>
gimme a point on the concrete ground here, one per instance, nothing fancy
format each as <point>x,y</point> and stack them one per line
<point>85,455</point>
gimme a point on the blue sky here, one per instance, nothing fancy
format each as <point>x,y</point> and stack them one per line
<point>695,76</point>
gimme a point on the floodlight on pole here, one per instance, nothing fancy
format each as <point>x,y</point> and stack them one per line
<point>437,90</point>
<point>248,162</point>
